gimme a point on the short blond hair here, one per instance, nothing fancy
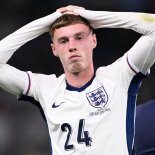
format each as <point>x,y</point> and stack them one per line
<point>68,19</point>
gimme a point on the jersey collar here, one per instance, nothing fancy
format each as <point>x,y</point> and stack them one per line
<point>72,88</point>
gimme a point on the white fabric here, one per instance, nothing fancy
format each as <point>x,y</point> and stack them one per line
<point>11,79</point>
<point>105,124</point>
<point>142,55</point>
<point>73,107</point>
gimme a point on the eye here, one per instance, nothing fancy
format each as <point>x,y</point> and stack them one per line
<point>63,41</point>
<point>79,37</point>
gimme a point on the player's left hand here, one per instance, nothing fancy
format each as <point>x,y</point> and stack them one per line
<point>69,9</point>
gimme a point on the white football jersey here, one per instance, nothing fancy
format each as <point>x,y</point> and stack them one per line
<point>98,118</point>
<point>95,119</point>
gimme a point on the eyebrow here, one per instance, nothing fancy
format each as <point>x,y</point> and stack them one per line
<point>76,34</point>
<point>62,38</point>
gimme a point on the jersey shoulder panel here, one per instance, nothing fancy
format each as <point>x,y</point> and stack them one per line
<point>40,82</point>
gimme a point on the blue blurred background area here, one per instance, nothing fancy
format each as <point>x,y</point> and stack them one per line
<point>22,129</point>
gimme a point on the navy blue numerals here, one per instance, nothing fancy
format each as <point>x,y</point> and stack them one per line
<point>67,128</point>
<point>82,137</point>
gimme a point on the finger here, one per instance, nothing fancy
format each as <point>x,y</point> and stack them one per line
<point>72,7</point>
<point>68,12</point>
<point>62,9</point>
<point>69,8</point>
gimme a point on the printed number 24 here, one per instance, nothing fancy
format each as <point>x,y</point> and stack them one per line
<point>82,137</point>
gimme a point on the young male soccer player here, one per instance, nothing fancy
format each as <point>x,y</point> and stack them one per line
<point>88,112</point>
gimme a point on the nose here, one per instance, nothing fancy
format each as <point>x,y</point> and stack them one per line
<point>72,47</point>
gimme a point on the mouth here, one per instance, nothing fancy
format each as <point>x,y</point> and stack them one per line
<point>74,57</point>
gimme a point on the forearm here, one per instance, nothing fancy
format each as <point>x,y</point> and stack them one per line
<point>142,55</point>
<point>139,22</point>
<point>28,32</point>
<point>12,79</point>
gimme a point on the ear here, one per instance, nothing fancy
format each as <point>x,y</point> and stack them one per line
<point>53,49</point>
<point>94,40</point>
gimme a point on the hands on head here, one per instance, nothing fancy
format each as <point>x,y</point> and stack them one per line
<point>69,9</point>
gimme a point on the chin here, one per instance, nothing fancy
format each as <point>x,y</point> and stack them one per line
<point>76,68</point>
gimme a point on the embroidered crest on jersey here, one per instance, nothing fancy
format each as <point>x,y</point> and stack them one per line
<point>98,98</point>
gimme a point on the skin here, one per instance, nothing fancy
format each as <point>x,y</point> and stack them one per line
<point>69,9</point>
<point>74,46</point>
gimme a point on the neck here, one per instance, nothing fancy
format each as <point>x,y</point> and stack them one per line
<point>79,79</point>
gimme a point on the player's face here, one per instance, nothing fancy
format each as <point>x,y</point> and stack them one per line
<point>74,46</point>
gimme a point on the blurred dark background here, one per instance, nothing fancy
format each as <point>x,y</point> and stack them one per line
<point>22,129</point>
